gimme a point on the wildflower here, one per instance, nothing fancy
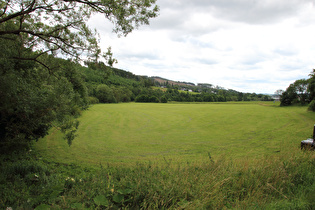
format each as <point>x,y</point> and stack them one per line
<point>112,190</point>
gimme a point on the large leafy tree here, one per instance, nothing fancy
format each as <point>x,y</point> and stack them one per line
<point>296,93</point>
<point>37,90</point>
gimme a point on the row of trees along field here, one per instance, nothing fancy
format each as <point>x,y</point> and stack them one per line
<point>301,92</point>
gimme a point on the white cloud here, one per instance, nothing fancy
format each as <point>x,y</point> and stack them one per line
<point>246,45</point>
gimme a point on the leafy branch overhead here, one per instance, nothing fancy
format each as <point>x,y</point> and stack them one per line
<point>51,26</point>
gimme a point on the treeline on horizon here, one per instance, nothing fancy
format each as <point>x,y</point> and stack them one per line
<point>111,85</point>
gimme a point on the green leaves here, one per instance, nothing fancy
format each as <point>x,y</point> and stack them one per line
<point>101,200</point>
<point>60,26</point>
<point>43,207</point>
<point>37,90</point>
<point>118,198</point>
<point>34,99</point>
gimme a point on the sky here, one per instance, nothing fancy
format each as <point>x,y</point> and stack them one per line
<point>252,46</point>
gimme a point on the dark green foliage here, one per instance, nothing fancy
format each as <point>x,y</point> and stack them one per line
<point>142,98</point>
<point>105,94</point>
<point>147,99</point>
<point>288,97</point>
<point>93,100</point>
<point>37,90</point>
<point>35,98</point>
<point>153,99</point>
<point>122,94</point>
<point>296,93</point>
<point>311,107</point>
<point>311,86</point>
<point>163,99</point>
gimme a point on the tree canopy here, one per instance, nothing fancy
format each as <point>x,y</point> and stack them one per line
<point>59,26</point>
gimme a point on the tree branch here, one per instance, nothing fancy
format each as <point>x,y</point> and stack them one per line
<point>17,14</point>
<point>5,8</point>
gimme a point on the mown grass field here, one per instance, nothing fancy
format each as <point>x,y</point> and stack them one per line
<point>137,132</point>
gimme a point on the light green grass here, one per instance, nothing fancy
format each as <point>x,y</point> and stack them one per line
<point>130,133</point>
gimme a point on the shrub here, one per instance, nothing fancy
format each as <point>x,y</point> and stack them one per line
<point>164,99</point>
<point>142,98</point>
<point>311,107</point>
<point>154,99</point>
<point>93,100</point>
<point>105,94</point>
<point>147,99</point>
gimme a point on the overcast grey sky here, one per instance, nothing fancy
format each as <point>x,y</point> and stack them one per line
<point>247,45</point>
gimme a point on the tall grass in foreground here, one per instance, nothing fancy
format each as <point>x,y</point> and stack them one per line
<point>285,181</point>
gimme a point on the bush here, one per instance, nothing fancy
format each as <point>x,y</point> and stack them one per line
<point>147,99</point>
<point>105,94</point>
<point>311,107</point>
<point>154,99</point>
<point>164,99</point>
<point>93,100</point>
<point>142,98</point>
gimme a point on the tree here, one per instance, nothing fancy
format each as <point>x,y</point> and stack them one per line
<point>105,94</point>
<point>301,87</point>
<point>37,90</point>
<point>59,26</point>
<point>142,98</point>
<point>311,86</point>
<point>289,96</point>
<point>32,100</point>
<point>279,93</point>
<point>297,92</point>
<point>164,99</point>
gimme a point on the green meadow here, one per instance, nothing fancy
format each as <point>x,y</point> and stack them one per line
<point>169,156</point>
<point>129,133</point>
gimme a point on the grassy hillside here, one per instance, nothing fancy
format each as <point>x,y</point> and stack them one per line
<point>130,133</point>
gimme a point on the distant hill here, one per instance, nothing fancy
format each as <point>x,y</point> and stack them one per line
<point>164,81</point>
<point>112,85</point>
